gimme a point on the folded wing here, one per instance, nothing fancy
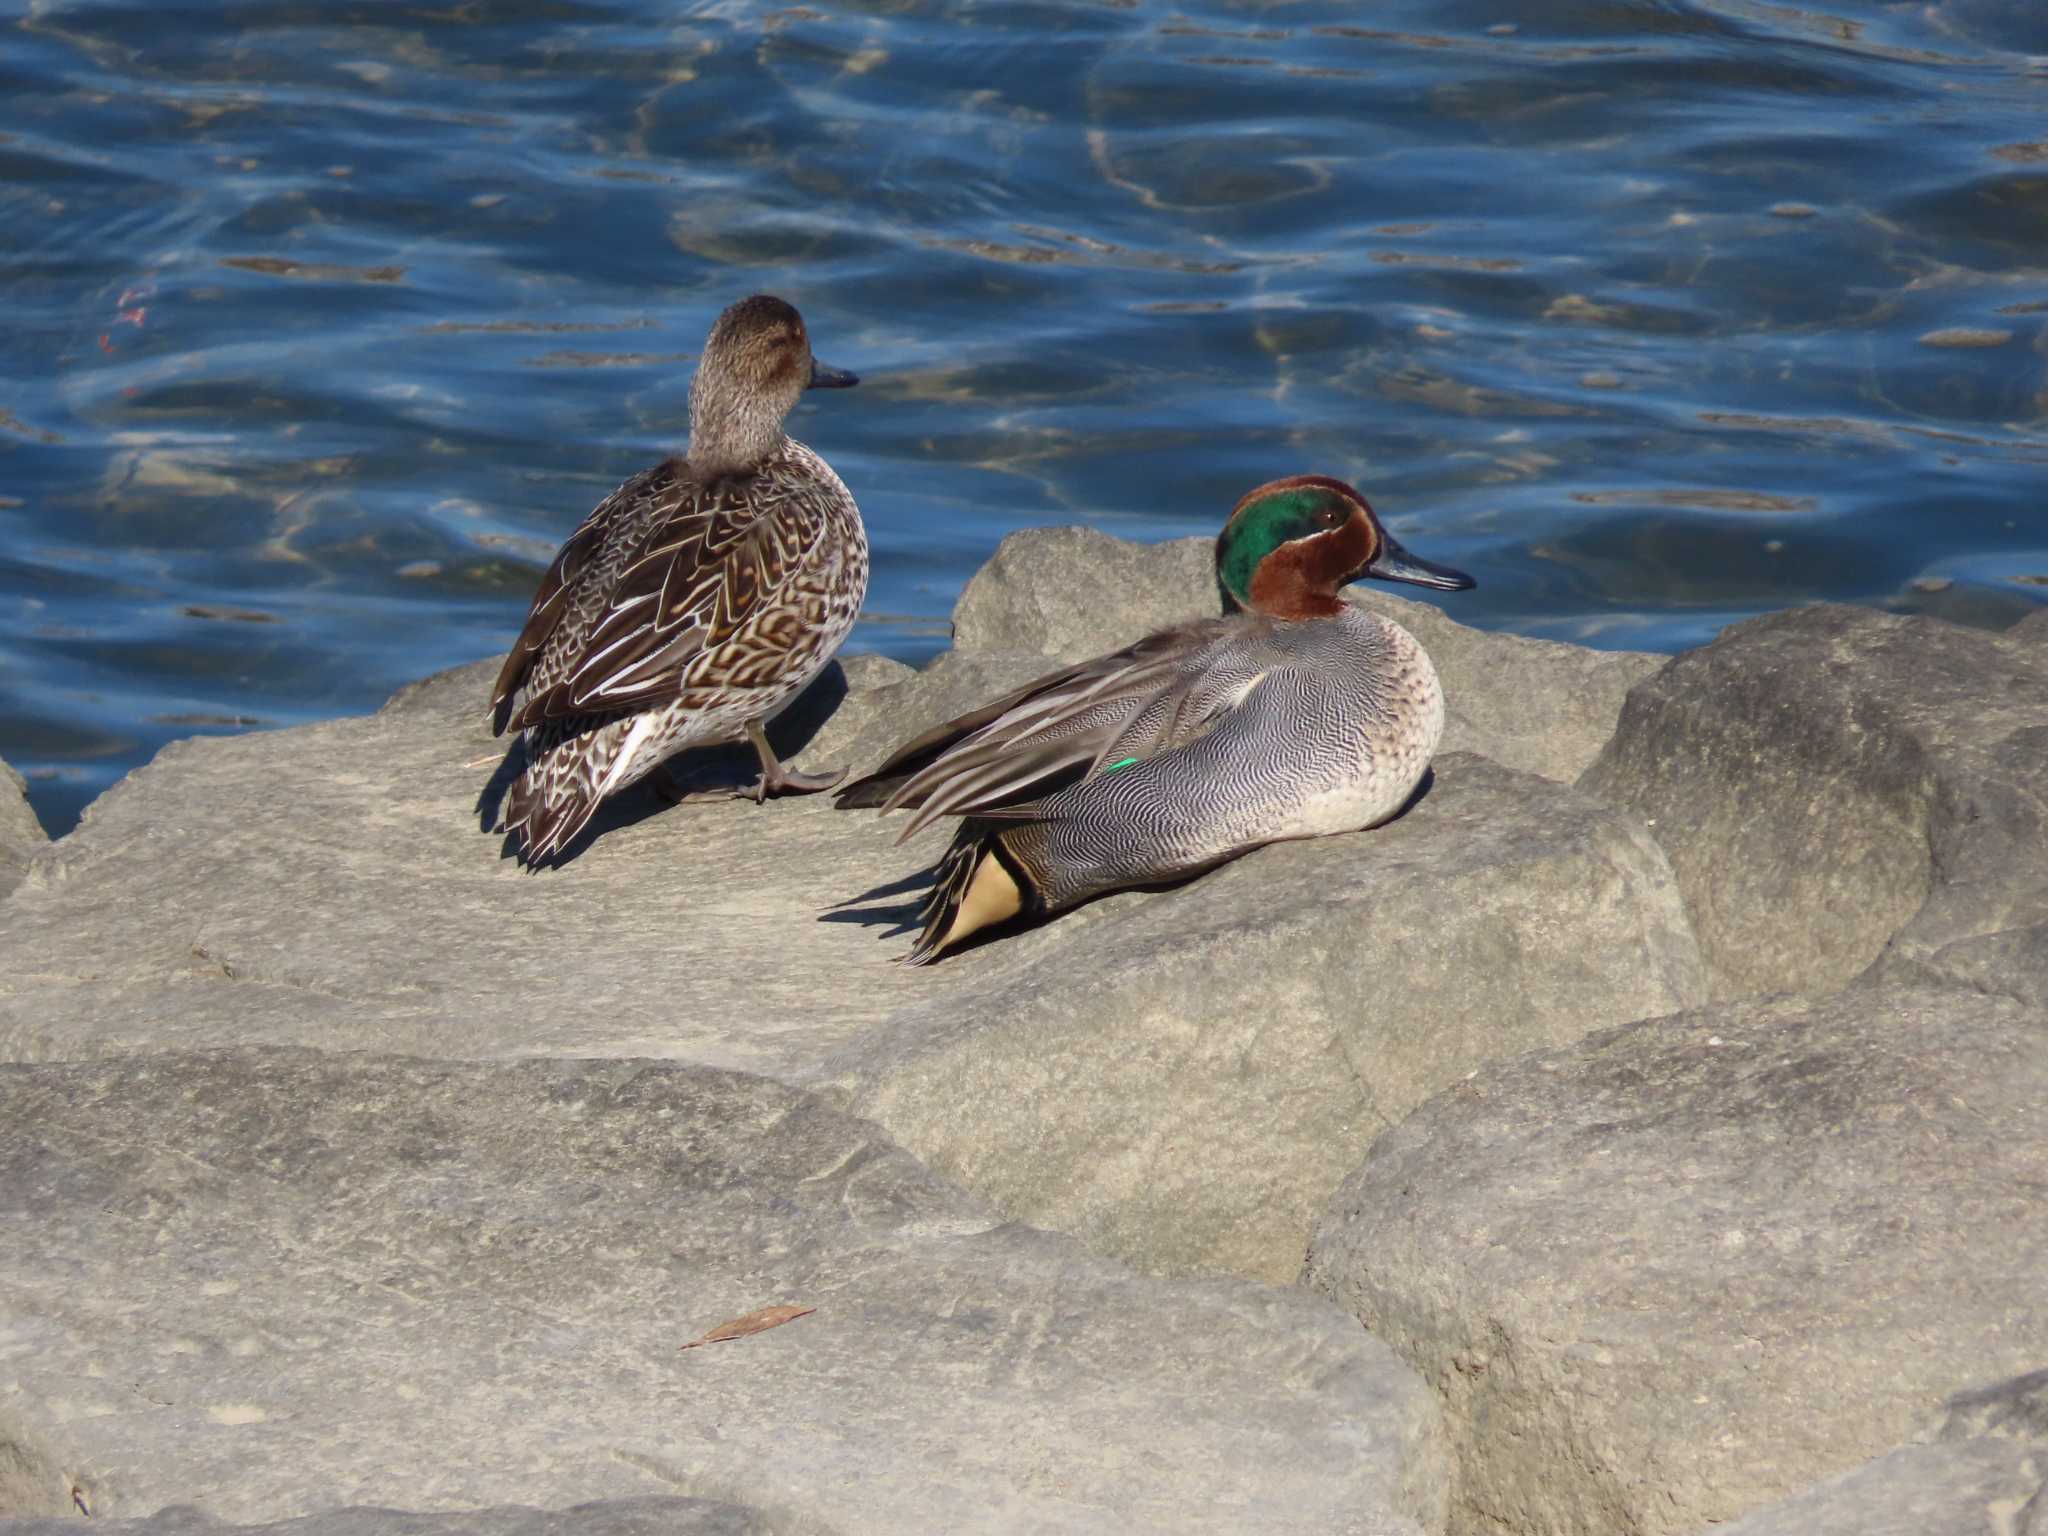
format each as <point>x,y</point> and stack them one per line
<point>1098,716</point>
<point>661,571</point>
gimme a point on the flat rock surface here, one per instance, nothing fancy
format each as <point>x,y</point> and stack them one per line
<point>274,1282</point>
<point>1689,1266</point>
<point>2011,963</point>
<point>617,1517</point>
<point>1064,594</point>
<point>1179,1077</point>
<point>21,834</point>
<point>1971,1488</point>
<point>302,879</point>
<point>1835,785</point>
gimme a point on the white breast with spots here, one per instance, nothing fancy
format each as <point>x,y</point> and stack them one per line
<point>1387,723</point>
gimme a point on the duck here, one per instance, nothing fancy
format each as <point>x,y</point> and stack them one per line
<point>1294,714</point>
<point>694,602</point>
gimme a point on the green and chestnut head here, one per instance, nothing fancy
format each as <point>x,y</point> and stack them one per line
<point>1290,544</point>
<point>756,362</point>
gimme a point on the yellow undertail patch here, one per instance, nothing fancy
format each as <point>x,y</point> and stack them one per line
<point>992,895</point>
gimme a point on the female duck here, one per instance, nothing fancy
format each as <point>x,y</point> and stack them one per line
<point>1293,715</point>
<point>698,599</point>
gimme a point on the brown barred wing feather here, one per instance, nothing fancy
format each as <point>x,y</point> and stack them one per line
<point>580,563</point>
<point>712,556</point>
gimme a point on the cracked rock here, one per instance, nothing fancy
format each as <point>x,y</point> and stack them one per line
<point>1837,787</point>
<point>274,1282</point>
<point>1686,1267</point>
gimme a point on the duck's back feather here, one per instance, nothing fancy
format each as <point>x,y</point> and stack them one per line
<point>665,568</point>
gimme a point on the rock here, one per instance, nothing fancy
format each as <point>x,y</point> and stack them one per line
<point>2016,1409</point>
<point>1967,1489</point>
<point>333,878</point>
<point>21,835</point>
<point>1182,1082</point>
<point>1179,1077</point>
<point>614,1517</point>
<point>273,1282</point>
<point>1975,604</point>
<point>1065,594</point>
<point>1975,1480</point>
<point>1834,785</point>
<point>1673,1273</point>
<point>2013,963</point>
<point>1688,1266</point>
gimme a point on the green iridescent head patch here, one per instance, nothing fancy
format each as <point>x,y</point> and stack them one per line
<point>1260,527</point>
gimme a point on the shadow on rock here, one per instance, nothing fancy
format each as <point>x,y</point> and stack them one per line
<point>898,917</point>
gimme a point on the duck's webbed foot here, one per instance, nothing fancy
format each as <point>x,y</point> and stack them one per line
<point>776,779</point>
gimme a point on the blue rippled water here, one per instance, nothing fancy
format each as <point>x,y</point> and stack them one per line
<point>326,321</point>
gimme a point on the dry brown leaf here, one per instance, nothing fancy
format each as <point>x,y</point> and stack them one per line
<point>757,1321</point>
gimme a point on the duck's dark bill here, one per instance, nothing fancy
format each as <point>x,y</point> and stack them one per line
<point>823,377</point>
<point>1393,563</point>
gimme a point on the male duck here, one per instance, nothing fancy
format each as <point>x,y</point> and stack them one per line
<point>1293,715</point>
<point>698,599</point>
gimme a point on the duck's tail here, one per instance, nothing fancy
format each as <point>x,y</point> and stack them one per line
<point>564,782</point>
<point>980,881</point>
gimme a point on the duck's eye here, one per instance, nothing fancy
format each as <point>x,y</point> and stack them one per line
<point>1330,517</point>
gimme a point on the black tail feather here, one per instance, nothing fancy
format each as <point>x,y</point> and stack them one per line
<point>949,888</point>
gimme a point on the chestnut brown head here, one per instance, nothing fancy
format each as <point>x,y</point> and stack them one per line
<point>1291,543</point>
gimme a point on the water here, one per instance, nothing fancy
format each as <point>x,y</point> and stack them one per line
<point>326,321</point>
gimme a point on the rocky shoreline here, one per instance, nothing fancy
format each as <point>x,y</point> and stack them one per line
<point>1666,1093</point>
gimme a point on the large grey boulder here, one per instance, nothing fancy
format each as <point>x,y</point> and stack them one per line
<point>1179,1077</point>
<point>1068,593</point>
<point>21,834</point>
<point>1064,594</point>
<point>274,1282</point>
<point>330,886</point>
<point>1835,785</point>
<point>1688,1266</point>
<point>1183,1082</point>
